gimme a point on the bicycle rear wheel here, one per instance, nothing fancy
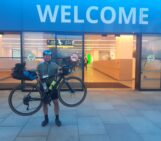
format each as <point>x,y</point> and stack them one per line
<point>72,91</point>
<point>25,99</point>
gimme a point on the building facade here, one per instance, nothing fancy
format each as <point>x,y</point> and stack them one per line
<point>121,40</point>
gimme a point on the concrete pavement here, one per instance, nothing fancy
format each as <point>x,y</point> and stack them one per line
<point>105,115</point>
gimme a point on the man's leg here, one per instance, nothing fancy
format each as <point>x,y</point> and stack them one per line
<point>56,111</point>
<point>46,119</point>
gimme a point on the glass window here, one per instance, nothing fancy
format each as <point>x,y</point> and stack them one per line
<point>34,44</point>
<point>71,45</point>
<point>9,56</point>
<point>151,62</point>
<point>63,47</point>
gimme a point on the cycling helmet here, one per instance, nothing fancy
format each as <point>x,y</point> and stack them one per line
<point>47,52</point>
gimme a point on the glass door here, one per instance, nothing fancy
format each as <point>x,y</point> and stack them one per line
<point>151,62</point>
<point>71,46</point>
<point>110,60</point>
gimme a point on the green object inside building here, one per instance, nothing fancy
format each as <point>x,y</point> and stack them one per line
<point>89,58</point>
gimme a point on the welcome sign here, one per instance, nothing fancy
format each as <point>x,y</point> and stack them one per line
<point>68,17</point>
<point>90,16</point>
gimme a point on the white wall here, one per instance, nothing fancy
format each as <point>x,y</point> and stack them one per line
<point>124,47</point>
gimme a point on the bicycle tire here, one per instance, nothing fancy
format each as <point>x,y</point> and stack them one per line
<point>31,89</point>
<point>79,87</point>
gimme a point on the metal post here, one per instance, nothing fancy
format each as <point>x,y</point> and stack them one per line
<point>138,62</point>
<point>83,57</point>
<point>22,50</point>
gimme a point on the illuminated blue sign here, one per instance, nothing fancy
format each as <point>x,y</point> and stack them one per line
<point>93,16</point>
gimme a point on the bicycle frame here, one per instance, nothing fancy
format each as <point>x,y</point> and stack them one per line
<point>58,82</point>
<point>66,87</point>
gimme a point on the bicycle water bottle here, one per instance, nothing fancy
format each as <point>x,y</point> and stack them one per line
<point>52,85</point>
<point>45,87</point>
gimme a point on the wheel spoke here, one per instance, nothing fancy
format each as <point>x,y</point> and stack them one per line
<point>72,92</point>
<point>25,102</point>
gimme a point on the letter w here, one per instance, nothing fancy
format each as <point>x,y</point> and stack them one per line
<point>47,11</point>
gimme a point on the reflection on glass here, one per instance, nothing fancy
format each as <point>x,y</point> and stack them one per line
<point>9,56</point>
<point>62,49</point>
<point>151,62</point>
<point>71,46</point>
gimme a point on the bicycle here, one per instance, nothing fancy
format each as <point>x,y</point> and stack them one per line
<point>26,99</point>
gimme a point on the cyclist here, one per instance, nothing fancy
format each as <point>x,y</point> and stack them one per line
<point>49,68</point>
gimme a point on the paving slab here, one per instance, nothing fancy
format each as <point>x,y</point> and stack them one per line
<point>127,133</point>
<point>90,125</point>
<point>64,133</point>
<point>143,126</point>
<point>31,139</point>
<point>33,128</point>
<point>105,115</point>
<point>102,137</point>
<point>9,133</point>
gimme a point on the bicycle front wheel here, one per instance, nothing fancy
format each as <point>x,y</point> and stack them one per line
<point>25,99</point>
<point>72,91</point>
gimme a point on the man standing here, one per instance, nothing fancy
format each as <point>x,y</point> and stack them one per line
<point>49,68</point>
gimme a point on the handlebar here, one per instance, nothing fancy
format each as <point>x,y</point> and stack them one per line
<point>64,70</point>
